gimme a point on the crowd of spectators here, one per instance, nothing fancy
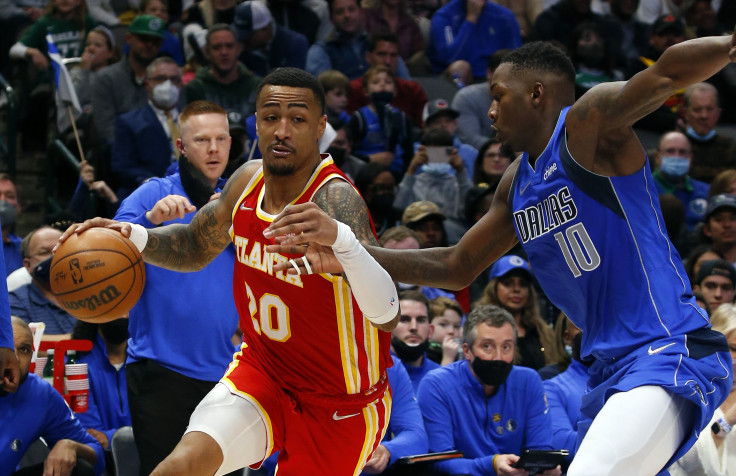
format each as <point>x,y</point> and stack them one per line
<point>424,159</point>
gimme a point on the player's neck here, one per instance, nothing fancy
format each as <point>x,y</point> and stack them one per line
<point>538,141</point>
<point>281,190</point>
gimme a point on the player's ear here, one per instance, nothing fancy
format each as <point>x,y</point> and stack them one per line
<point>536,93</point>
<point>322,125</point>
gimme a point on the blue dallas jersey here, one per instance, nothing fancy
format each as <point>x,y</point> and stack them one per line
<point>599,248</point>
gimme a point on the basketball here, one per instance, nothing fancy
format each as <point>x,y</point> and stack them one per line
<point>98,275</point>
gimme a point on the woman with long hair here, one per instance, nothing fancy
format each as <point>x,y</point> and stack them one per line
<point>511,288</point>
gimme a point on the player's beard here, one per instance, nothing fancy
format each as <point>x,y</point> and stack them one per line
<point>280,169</point>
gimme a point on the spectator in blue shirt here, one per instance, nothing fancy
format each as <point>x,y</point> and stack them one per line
<point>471,30</point>
<point>410,339</point>
<point>9,366</point>
<point>107,404</point>
<point>565,396</point>
<point>38,410</point>
<point>405,435</point>
<point>34,302</point>
<point>483,405</point>
<point>9,209</point>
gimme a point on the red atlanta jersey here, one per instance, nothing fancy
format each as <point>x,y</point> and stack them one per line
<point>306,331</point>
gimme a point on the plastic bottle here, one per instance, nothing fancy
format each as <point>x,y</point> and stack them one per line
<point>48,370</point>
<point>458,82</point>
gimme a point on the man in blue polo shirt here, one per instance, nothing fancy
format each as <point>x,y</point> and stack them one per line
<point>38,410</point>
<point>483,405</point>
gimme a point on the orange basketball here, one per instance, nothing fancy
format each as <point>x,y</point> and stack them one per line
<point>98,275</point>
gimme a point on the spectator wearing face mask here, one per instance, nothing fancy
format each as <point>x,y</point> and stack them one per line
<point>9,209</point>
<point>671,176</point>
<point>483,405</point>
<point>145,138</point>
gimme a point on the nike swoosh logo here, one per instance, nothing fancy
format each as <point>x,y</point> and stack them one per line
<point>651,351</point>
<point>243,207</point>
<point>524,189</point>
<point>335,416</point>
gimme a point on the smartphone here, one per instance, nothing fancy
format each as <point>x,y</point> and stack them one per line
<point>537,461</point>
<point>438,154</point>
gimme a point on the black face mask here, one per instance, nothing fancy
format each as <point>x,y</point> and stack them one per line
<point>406,352</point>
<point>338,155</point>
<point>195,183</point>
<point>382,99</point>
<point>491,372</point>
<point>42,271</point>
<point>115,332</point>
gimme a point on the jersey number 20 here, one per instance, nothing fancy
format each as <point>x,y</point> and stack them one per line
<point>578,249</point>
<point>270,315</point>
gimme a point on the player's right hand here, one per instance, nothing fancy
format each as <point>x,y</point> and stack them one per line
<point>169,208</point>
<point>122,227</point>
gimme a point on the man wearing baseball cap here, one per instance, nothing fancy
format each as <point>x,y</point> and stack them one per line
<point>266,45</point>
<point>720,224</point>
<point>716,281</point>
<point>119,88</point>
<point>439,115</point>
<point>426,219</point>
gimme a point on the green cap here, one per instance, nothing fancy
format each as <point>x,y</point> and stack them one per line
<point>147,25</point>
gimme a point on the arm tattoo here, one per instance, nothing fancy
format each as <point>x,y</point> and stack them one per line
<point>191,247</point>
<point>340,200</point>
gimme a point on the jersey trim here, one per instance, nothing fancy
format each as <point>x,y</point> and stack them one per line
<point>597,187</point>
<point>373,422</point>
<point>264,414</point>
<point>346,334</point>
<point>248,188</point>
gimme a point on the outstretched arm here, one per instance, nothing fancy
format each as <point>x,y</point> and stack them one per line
<point>451,268</point>
<point>180,247</point>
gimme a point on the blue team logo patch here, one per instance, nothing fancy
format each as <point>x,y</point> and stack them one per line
<point>511,425</point>
<point>16,445</point>
<point>697,206</point>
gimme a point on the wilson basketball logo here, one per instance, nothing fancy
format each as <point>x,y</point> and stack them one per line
<point>106,296</point>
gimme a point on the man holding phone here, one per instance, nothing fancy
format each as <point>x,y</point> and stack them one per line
<point>436,173</point>
<point>497,410</point>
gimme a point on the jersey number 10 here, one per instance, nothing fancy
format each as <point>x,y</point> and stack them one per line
<point>578,249</point>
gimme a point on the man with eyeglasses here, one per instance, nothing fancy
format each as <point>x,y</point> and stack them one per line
<point>36,410</point>
<point>716,281</point>
<point>145,138</point>
<point>119,88</point>
<point>181,328</point>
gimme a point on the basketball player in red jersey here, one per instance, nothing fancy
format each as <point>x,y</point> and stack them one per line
<point>309,380</point>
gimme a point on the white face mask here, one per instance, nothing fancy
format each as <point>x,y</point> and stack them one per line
<point>165,95</point>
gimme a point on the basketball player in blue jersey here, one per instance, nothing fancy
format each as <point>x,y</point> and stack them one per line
<point>581,199</point>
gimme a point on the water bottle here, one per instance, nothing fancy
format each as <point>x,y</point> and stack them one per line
<point>48,370</point>
<point>458,82</point>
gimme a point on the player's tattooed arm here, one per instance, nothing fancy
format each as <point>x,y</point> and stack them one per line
<point>340,200</point>
<point>191,247</point>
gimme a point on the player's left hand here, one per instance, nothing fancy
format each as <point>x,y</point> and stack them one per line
<point>61,460</point>
<point>378,462</point>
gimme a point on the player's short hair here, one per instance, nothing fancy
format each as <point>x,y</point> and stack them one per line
<point>490,315</point>
<point>398,233</point>
<point>333,79</point>
<point>413,295</point>
<point>440,304</point>
<point>197,108</point>
<point>541,56</point>
<point>217,27</point>
<point>294,78</point>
